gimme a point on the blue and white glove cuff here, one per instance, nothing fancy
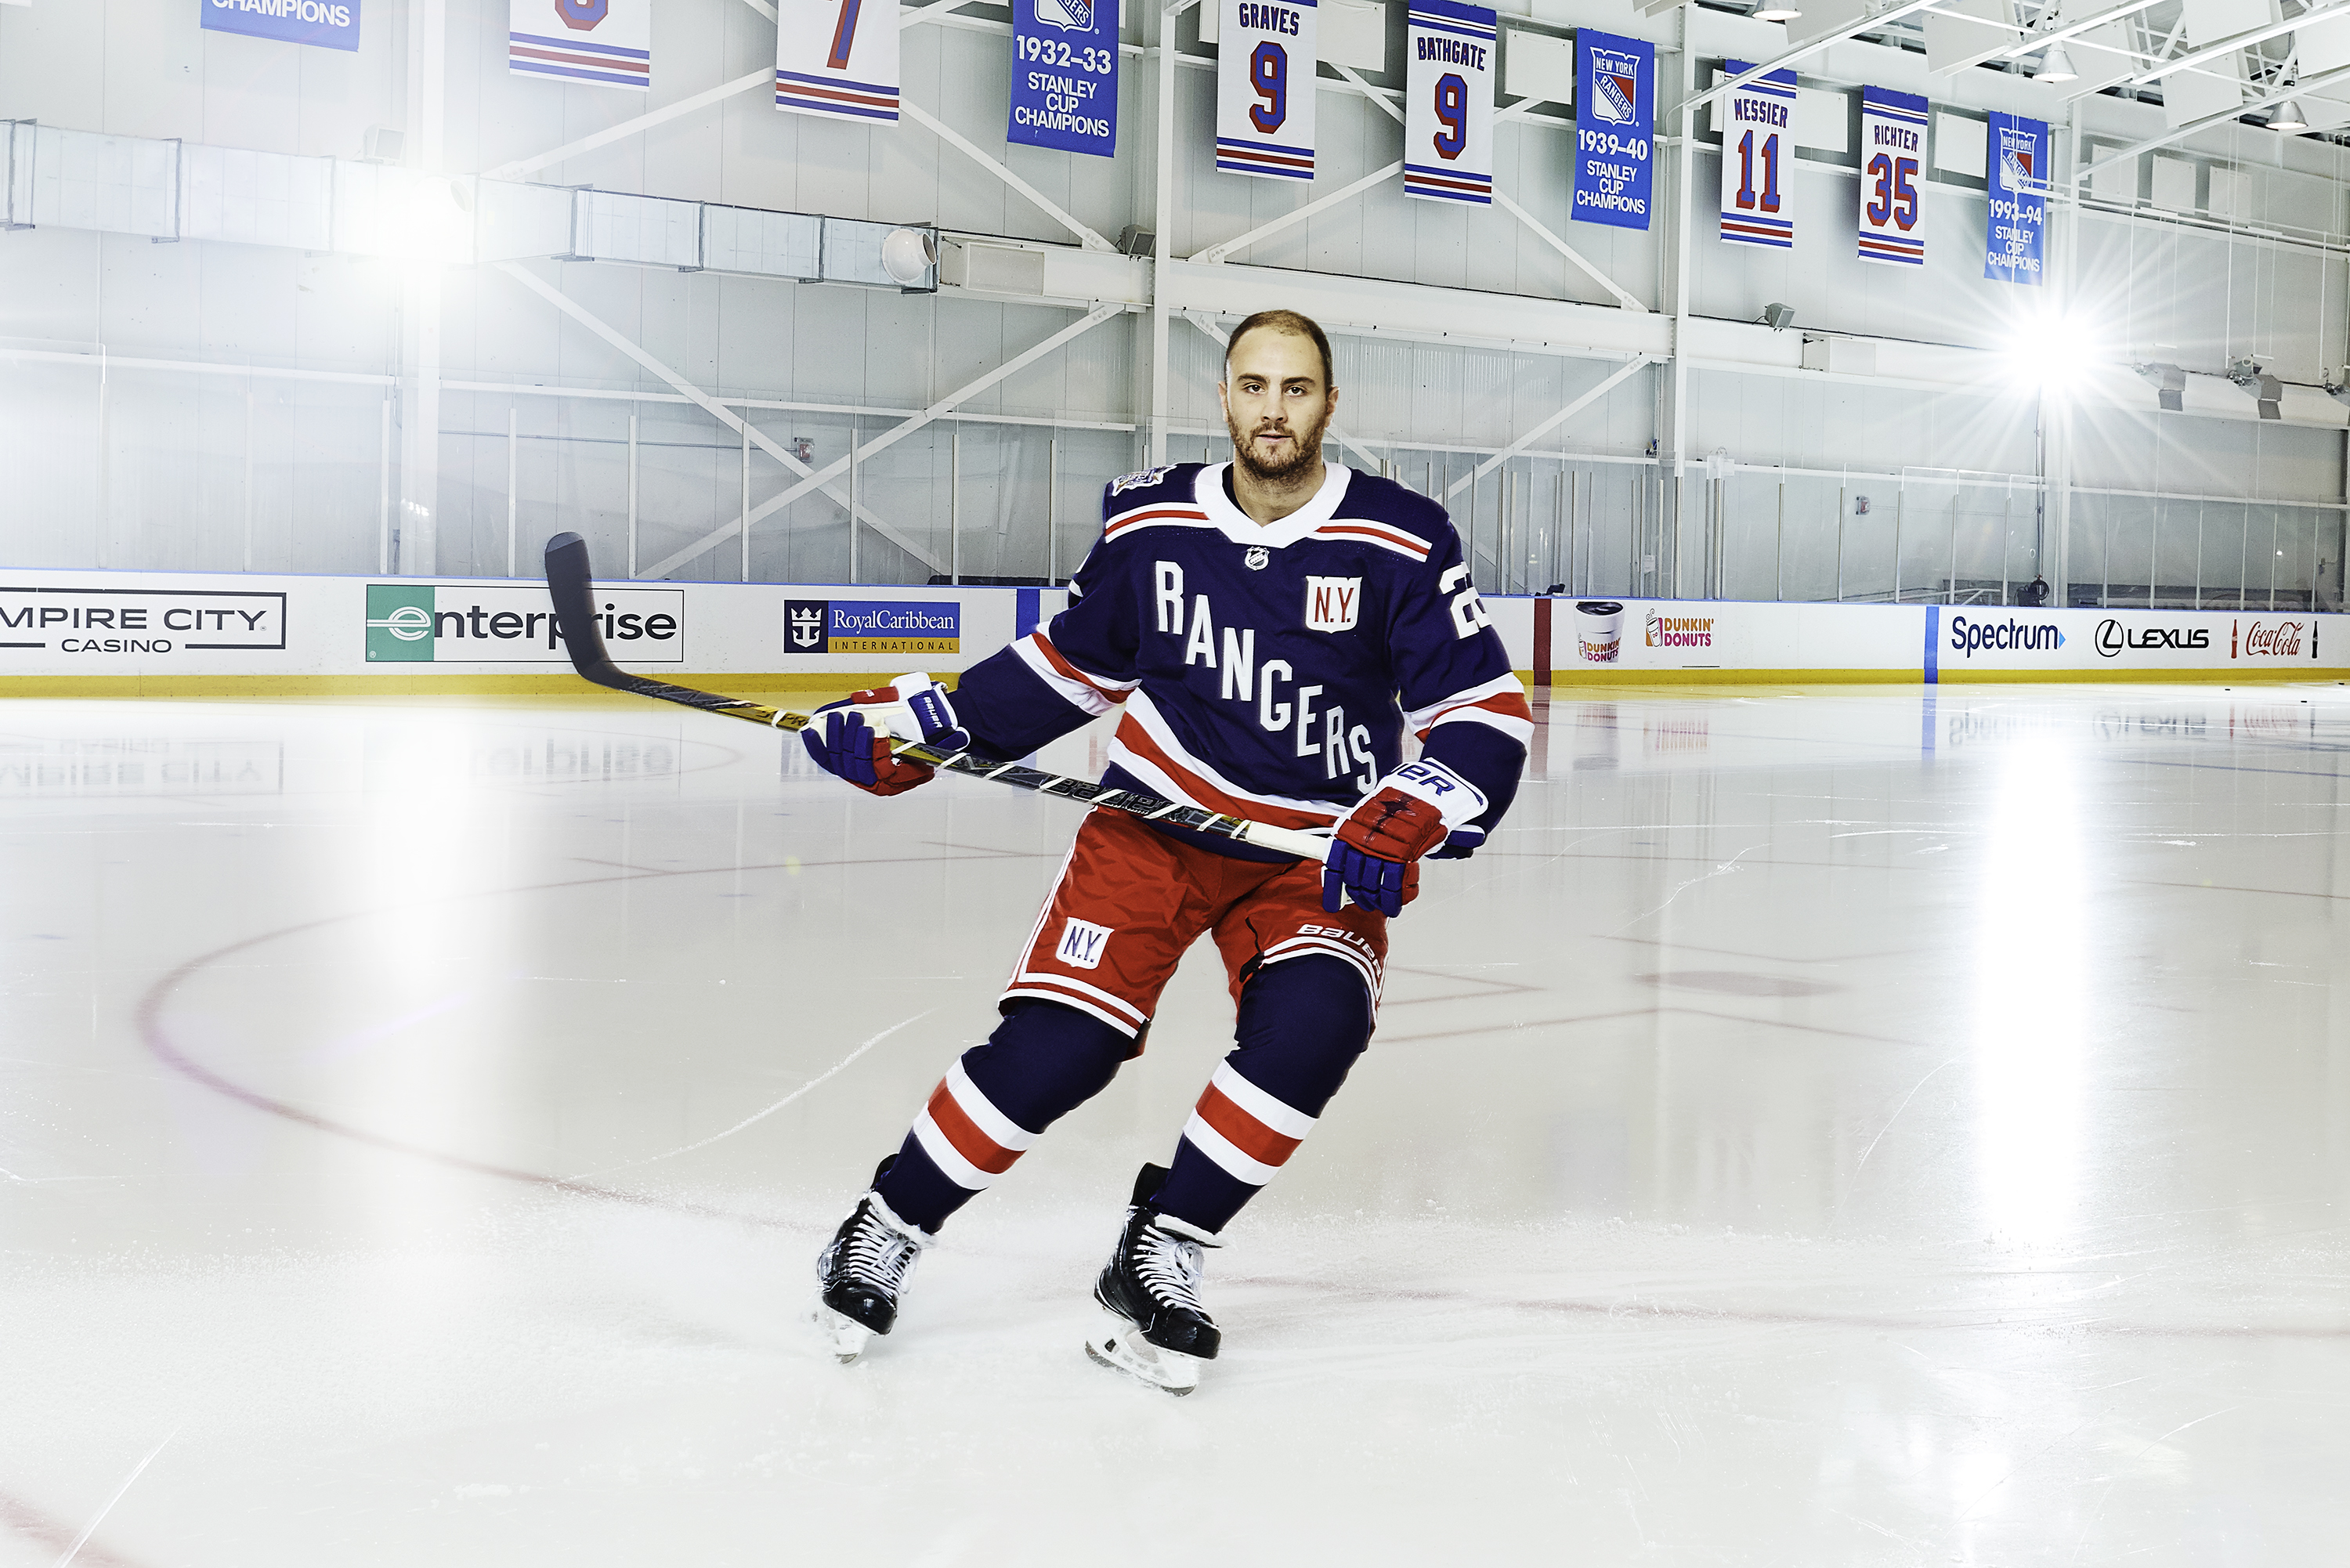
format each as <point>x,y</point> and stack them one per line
<point>1459,801</point>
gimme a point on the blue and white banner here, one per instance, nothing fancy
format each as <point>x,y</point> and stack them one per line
<point>838,59</point>
<point>1892,150</point>
<point>2018,198</point>
<point>1757,149</point>
<point>328,24</point>
<point>1064,76</point>
<point>1448,135</point>
<point>1264,87</point>
<point>598,43</point>
<point>1615,120</point>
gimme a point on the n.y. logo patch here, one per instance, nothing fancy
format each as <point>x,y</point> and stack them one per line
<point>1332,604</point>
<point>1082,944</point>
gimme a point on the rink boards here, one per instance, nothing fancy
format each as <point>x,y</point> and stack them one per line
<point>189,634</point>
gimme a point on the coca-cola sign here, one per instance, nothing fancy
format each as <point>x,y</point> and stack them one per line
<point>2274,639</point>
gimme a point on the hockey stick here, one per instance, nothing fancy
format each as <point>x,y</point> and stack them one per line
<point>571,583</point>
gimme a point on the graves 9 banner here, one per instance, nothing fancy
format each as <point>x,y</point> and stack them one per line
<point>1264,89</point>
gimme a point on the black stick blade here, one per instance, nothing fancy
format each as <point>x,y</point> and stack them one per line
<point>571,584</point>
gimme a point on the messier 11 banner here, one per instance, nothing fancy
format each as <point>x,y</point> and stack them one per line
<point>1064,76</point>
<point>602,43</point>
<point>837,59</point>
<point>1892,150</point>
<point>1614,118</point>
<point>1447,133</point>
<point>1264,89</point>
<point>2018,198</point>
<point>1758,144</point>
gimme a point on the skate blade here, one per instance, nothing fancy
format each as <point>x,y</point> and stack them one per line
<point>1119,1346</point>
<point>843,1336</point>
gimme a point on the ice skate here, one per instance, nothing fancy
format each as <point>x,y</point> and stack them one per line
<point>860,1275</point>
<point>1158,1330</point>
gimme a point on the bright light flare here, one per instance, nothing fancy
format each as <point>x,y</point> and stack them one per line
<point>2051,353</point>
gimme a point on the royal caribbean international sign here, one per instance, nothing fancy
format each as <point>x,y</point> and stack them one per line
<point>1064,76</point>
<point>329,24</point>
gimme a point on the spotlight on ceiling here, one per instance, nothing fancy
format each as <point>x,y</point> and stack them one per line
<point>908,255</point>
<point>1777,317</point>
<point>2057,65</point>
<point>2287,115</point>
<point>1777,11</point>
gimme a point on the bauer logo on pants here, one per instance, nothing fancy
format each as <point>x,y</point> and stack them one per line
<point>1082,944</point>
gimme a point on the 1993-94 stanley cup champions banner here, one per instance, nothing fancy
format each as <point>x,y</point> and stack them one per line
<point>600,43</point>
<point>1758,154</point>
<point>1449,102</point>
<point>2018,198</point>
<point>1264,87</point>
<point>837,59</point>
<point>1064,76</point>
<point>1892,151</point>
<point>1615,116</point>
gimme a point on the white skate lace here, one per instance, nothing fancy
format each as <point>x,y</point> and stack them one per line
<point>876,1254</point>
<point>1170,1267</point>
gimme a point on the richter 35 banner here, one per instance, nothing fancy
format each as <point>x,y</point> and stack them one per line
<point>2018,198</point>
<point>1758,146</point>
<point>1615,116</point>
<point>1064,76</point>
<point>1448,135</point>
<point>603,43</point>
<point>837,59</point>
<point>1892,150</point>
<point>1264,89</point>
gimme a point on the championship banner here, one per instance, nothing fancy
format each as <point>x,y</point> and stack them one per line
<point>1447,133</point>
<point>1064,76</point>
<point>1264,89</point>
<point>604,43</point>
<point>1892,149</point>
<point>1615,120</point>
<point>327,23</point>
<point>2018,198</point>
<point>837,59</point>
<point>1758,143</point>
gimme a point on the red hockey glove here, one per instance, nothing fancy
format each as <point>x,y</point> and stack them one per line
<point>854,741</point>
<point>1408,815</point>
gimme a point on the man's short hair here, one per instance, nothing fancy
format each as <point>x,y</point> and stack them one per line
<point>1287,321</point>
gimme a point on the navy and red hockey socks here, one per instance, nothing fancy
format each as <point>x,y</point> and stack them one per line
<point>1043,1062</point>
<point>1303,1023</point>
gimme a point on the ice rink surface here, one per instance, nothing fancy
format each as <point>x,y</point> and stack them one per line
<point>1860,1126</point>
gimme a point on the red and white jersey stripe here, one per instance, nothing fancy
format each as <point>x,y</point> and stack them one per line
<point>1081,688</point>
<point>1315,943</point>
<point>1068,990</point>
<point>968,1137</point>
<point>1385,536</point>
<point>1244,1130</point>
<point>1148,747</point>
<point>1500,703</point>
<point>1161,514</point>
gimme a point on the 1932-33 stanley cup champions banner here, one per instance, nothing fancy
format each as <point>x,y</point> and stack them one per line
<point>1892,151</point>
<point>837,59</point>
<point>1064,76</point>
<point>1449,102</point>
<point>595,42</point>
<point>1264,87</point>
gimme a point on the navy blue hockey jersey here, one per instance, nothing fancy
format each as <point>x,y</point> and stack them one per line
<point>1266,672</point>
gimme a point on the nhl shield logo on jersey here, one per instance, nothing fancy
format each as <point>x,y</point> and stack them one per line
<point>1332,604</point>
<point>1257,559</point>
<point>1149,476</point>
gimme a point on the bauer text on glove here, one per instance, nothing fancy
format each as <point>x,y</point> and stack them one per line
<point>1414,809</point>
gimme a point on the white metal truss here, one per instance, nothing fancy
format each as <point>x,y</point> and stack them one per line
<point>1624,296</point>
<point>710,406</point>
<point>1241,242</point>
<point>889,438</point>
<point>1592,395</point>
<point>2274,95</point>
<point>1001,171</point>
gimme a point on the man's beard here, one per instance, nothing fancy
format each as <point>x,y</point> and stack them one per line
<point>1308,453</point>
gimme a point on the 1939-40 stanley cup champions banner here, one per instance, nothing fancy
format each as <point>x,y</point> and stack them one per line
<point>1615,116</point>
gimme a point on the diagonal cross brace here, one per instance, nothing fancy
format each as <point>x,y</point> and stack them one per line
<point>889,438</point>
<point>709,405</point>
<point>1548,425</point>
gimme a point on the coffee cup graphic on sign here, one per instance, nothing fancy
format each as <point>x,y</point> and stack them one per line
<point>1598,630</point>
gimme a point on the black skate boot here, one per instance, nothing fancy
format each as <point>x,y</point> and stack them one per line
<point>1159,1329</point>
<point>859,1276</point>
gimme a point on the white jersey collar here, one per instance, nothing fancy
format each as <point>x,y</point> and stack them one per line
<point>1208,490</point>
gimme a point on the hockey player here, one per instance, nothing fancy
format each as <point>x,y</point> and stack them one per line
<point>1271,627</point>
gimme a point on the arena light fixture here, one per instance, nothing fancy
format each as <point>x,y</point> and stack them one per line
<point>2287,115</point>
<point>908,254</point>
<point>2057,65</point>
<point>2049,353</point>
<point>1777,11</point>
